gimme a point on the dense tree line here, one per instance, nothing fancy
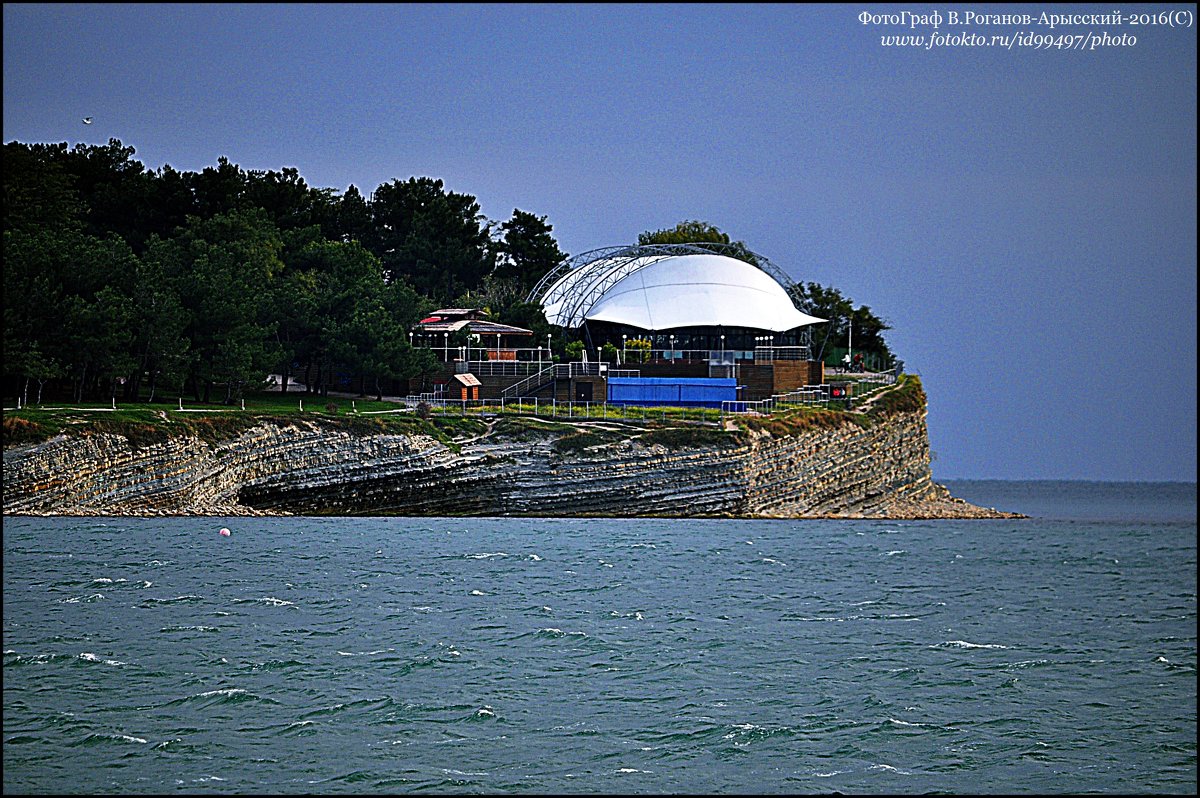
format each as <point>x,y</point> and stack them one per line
<point>119,280</point>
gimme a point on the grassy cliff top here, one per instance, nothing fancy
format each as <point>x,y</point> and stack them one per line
<point>145,425</point>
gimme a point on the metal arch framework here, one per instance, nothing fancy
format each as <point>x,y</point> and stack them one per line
<point>577,296</point>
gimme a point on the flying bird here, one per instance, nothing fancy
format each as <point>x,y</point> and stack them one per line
<point>87,120</point>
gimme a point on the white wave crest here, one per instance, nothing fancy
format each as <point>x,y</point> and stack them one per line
<point>223,691</point>
<point>270,601</point>
<point>89,599</point>
<point>89,657</point>
<point>889,767</point>
<point>965,644</point>
<point>905,723</point>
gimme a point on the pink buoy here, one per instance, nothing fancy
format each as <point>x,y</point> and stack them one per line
<point>225,532</point>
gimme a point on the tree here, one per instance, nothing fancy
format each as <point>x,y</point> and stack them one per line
<point>33,300</point>
<point>114,188</point>
<point>38,190</point>
<point>389,354</point>
<point>829,303</point>
<point>527,251</point>
<point>434,238</point>
<point>171,201</point>
<point>223,270</point>
<point>219,190</point>
<point>159,343</point>
<point>30,362</point>
<point>697,232</point>
<point>67,298</point>
<point>290,203</point>
<point>353,217</point>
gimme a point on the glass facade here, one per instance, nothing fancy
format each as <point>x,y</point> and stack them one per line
<point>741,340</point>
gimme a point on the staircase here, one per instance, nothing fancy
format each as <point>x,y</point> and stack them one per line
<point>531,384</point>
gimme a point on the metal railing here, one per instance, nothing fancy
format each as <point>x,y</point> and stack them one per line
<point>595,411</point>
<point>505,368</point>
<point>531,383</point>
<point>883,377</point>
<point>811,395</point>
<point>768,353</point>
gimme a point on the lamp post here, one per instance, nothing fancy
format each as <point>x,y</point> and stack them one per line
<point>497,346</point>
<point>446,347</point>
<point>672,348</point>
<point>722,347</point>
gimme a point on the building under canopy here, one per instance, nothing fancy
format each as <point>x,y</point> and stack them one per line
<point>501,341</point>
<point>681,297</point>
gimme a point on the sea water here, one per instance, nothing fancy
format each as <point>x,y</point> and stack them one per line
<point>339,655</point>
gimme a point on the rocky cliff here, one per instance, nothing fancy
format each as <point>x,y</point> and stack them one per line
<point>877,466</point>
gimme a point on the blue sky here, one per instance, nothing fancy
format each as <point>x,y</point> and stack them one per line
<point>1024,218</point>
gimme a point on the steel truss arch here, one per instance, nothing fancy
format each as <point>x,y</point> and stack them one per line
<point>578,284</point>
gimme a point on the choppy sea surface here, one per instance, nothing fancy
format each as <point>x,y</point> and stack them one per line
<point>341,655</point>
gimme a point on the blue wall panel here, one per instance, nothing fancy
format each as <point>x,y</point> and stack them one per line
<point>673,391</point>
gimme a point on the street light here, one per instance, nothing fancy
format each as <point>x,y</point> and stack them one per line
<point>446,347</point>
<point>672,348</point>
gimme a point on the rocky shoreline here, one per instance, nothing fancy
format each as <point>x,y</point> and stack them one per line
<point>877,471</point>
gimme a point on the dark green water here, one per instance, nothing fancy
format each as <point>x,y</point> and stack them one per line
<point>1055,654</point>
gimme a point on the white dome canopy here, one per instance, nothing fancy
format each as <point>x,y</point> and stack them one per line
<point>689,290</point>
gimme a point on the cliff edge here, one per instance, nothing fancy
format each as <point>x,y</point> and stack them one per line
<point>811,464</point>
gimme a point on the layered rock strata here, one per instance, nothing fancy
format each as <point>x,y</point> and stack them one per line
<point>879,470</point>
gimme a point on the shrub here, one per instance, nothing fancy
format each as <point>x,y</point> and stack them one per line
<point>909,396</point>
<point>577,442</point>
<point>20,430</point>
<point>691,438</point>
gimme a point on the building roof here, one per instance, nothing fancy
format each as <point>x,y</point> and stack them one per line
<point>476,326</point>
<point>669,289</point>
<point>473,313</point>
<point>469,380</point>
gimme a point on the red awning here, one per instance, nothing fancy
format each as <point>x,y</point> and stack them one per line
<point>431,318</point>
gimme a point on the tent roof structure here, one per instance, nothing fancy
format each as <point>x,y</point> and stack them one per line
<point>664,287</point>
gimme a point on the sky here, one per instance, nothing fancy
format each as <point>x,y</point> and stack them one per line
<point>1024,218</point>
